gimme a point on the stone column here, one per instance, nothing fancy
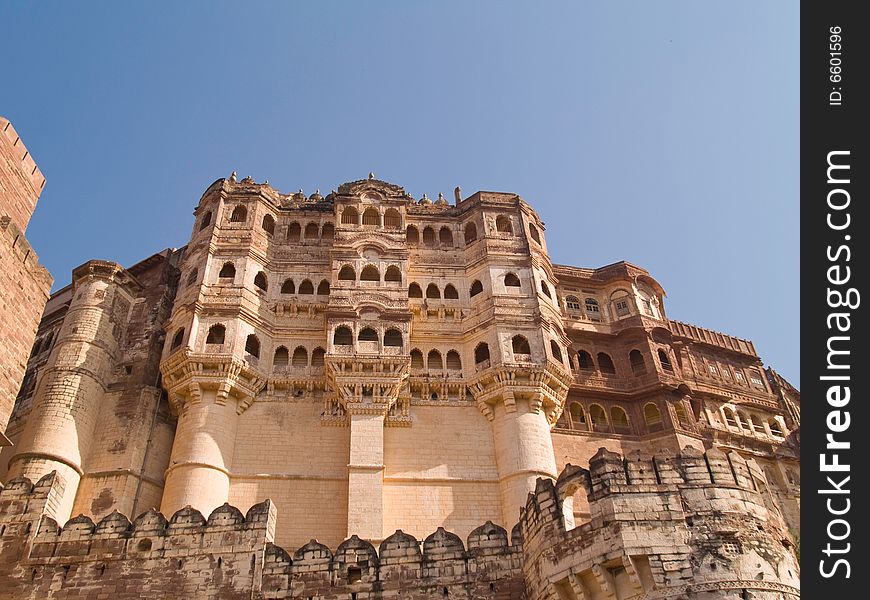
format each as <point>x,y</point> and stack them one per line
<point>202,453</point>
<point>523,450</point>
<point>63,419</point>
<point>365,501</point>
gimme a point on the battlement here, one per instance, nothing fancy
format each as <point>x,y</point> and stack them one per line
<point>231,555</point>
<point>656,522</point>
<point>21,181</point>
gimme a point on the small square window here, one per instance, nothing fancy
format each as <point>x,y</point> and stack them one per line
<point>621,307</point>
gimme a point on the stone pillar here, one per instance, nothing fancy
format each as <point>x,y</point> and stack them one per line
<point>523,450</point>
<point>365,501</point>
<point>63,419</point>
<point>202,453</point>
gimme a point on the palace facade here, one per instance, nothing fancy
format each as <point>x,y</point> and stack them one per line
<point>366,370</point>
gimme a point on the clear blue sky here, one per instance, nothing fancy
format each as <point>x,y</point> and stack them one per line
<point>662,133</point>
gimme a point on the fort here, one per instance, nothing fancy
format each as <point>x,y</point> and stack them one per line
<point>367,395</point>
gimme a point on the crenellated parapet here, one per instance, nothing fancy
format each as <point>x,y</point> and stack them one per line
<point>231,555</point>
<point>693,524</point>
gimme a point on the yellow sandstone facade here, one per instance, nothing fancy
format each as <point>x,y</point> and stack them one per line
<point>369,363</point>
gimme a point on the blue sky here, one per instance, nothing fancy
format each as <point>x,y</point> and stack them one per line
<point>662,133</point>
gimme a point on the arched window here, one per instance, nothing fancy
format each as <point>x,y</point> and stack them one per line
<point>546,290</point>
<point>450,292</point>
<point>584,360</point>
<point>511,280</point>
<point>481,353</point>
<point>598,418</point>
<point>520,345</point>
<point>593,311</point>
<point>240,214</point>
<point>306,287</point>
<point>533,232</point>
<point>294,232</point>
<point>743,420</point>
<point>646,303</point>
<point>327,232</point>
<point>372,217</point>
<point>393,274</point>
<point>261,282</point>
<point>206,221</point>
<point>282,357</point>
<point>347,273</point>
<point>252,346</point>
<point>349,216</point>
<point>665,361</point>
<point>578,416</point>
<point>445,236</point>
<point>638,366</point>
<point>416,359</point>
<point>503,224</point>
<point>414,291</point>
<point>429,237</point>
<point>317,357</point>
<point>476,288</point>
<point>269,224</point>
<point>312,231</point>
<point>367,334</point>
<point>470,233</point>
<point>682,416</point>
<point>288,287</point>
<point>757,425</point>
<point>619,418</point>
<point>392,219</point>
<point>342,336</point>
<point>730,419</point>
<point>454,362</point>
<point>323,288</point>
<point>605,364</point>
<point>556,352</point>
<point>433,361</point>
<point>300,357</point>
<point>216,334</point>
<point>393,338</point>
<point>191,279</point>
<point>652,416</point>
<point>370,273</point>
<point>412,235</point>
<point>432,291</point>
<point>572,302</point>
<point>178,339</point>
<point>228,271</point>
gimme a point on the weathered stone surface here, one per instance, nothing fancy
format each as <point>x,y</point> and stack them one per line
<point>374,365</point>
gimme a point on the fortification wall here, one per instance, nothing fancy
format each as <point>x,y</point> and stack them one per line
<point>690,526</point>
<point>24,283</point>
<point>687,526</point>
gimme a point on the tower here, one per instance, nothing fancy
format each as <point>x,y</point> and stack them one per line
<point>62,425</point>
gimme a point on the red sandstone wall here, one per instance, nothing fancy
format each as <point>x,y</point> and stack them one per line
<point>21,181</point>
<point>24,284</point>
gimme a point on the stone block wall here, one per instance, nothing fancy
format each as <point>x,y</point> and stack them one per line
<point>24,283</point>
<point>689,526</point>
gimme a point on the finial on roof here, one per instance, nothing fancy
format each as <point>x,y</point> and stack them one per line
<point>233,177</point>
<point>300,191</point>
<point>317,191</point>
<point>441,201</point>
<point>371,175</point>
<point>425,199</point>
<point>457,193</point>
